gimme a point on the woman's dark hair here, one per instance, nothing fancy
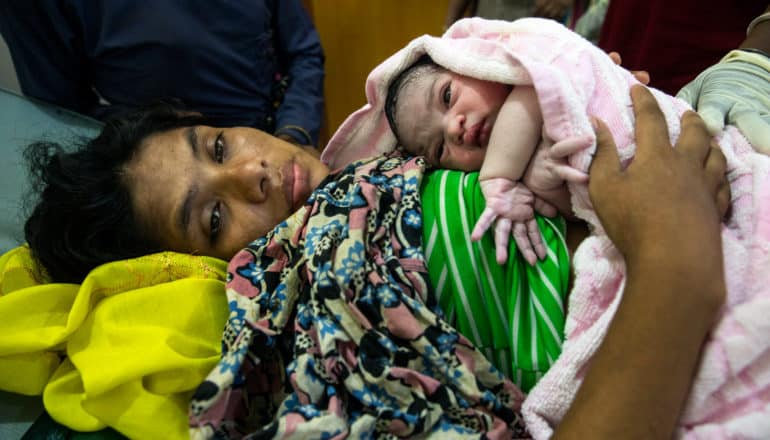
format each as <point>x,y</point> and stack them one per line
<point>424,64</point>
<point>83,216</point>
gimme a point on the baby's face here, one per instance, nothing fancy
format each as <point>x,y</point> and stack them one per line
<point>448,118</point>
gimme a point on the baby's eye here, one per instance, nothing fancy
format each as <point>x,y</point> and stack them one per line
<point>215,223</point>
<point>446,95</point>
<point>219,148</point>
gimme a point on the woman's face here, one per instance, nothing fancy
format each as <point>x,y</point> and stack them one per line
<point>211,191</point>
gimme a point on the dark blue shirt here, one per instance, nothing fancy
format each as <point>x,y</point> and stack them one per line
<point>228,59</point>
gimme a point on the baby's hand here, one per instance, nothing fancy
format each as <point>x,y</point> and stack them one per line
<point>548,169</point>
<point>509,205</point>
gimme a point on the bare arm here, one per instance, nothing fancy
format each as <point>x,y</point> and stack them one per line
<point>638,380</point>
<point>514,137</point>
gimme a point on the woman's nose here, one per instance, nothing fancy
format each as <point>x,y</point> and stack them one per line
<point>249,180</point>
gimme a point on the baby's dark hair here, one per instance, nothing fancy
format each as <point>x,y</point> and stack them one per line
<point>84,216</point>
<point>424,64</point>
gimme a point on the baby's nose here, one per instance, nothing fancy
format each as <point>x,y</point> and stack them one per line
<point>455,129</point>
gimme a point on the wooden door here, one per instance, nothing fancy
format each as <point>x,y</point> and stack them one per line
<point>359,34</point>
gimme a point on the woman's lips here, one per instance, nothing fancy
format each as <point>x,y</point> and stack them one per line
<point>301,190</point>
<point>295,184</point>
<point>288,178</point>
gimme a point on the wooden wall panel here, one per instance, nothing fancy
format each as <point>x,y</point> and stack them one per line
<point>359,34</point>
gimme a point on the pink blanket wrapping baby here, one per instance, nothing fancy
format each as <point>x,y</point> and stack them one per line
<point>730,396</point>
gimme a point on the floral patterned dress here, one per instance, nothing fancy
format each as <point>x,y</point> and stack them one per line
<point>333,330</point>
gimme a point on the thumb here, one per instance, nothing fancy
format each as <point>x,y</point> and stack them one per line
<point>606,158</point>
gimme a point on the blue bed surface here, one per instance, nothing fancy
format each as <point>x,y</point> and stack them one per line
<point>22,121</point>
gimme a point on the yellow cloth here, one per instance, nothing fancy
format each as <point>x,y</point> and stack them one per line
<point>138,335</point>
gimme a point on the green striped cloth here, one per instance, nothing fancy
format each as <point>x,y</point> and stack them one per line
<point>514,313</point>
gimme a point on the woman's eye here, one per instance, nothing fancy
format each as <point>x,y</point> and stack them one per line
<point>446,96</point>
<point>219,148</point>
<point>215,222</point>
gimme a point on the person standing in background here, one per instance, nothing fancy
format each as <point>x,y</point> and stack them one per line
<point>256,64</point>
<point>564,11</point>
<point>675,41</point>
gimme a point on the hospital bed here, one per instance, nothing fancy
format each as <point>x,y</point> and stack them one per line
<point>22,121</point>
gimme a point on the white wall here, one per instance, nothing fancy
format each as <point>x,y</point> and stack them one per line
<point>7,73</point>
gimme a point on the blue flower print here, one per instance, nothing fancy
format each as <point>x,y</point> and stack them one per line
<point>387,296</point>
<point>315,237</point>
<point>278,300</point>
<point>396,181</point>
<point>410,419</point>
<point>260,242</point>
<point>343,197</point>
<point>410,185</point>
<point>367,398</point>
<point>304,315</point>
<point>310,373</point>
<point>312,239</point>
<point>352,263</point>
<point>487,397</point>
<point>231,363</point>
<point>413,218</point>
<point>263,301</point>
<point>237,315</point>
<point>446,342</point>
<point>308,411</point>
<point>322,277</point>
<point>387,343</point>
<point>367,295</point>
<point>326,326</point>
<point>330,435</point>
<point>377,179</point>
<point>255,274</point>
<point>412,252</point>
<point>290,403</point>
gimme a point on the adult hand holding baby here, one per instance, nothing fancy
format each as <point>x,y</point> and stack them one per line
<point>659,172</point>
<point>663,213</point>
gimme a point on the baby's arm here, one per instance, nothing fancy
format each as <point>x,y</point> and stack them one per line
<point>514,136</point>
<point>512,142</point>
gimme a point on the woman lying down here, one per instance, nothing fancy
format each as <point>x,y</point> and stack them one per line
<point>458,99</point>
<point>333,326</point>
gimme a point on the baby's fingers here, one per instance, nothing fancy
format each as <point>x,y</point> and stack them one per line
<point>484,222</point>
<point>571,145</point>
<point>570,174</point>
<point>502,236</point>
<point>544,208</point>
<point>522,242</point>
<point>533,231</point>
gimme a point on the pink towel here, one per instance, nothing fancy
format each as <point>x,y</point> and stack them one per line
<point>730,396</point>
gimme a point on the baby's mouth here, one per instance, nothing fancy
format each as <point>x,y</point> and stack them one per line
<point>477,135</point>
